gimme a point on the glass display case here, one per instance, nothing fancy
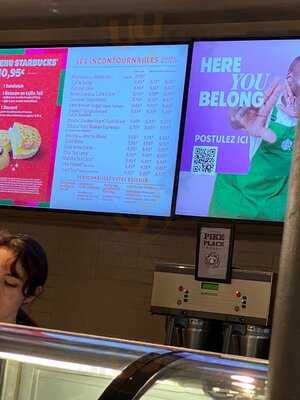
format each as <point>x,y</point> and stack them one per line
<point>41,364</point>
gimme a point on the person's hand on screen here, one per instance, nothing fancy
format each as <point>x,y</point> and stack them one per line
<point>254,119</point>
<point>290,104</point>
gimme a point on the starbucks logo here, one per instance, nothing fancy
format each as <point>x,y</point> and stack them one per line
<point>287,145</point>
<point>212,260</point>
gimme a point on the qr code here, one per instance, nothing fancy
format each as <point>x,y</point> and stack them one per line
<point>204,160</point>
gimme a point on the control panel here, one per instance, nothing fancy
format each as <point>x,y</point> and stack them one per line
<point>247,298</point>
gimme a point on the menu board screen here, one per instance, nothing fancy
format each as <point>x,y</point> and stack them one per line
<point>91,128</point>
<point>242,113</point>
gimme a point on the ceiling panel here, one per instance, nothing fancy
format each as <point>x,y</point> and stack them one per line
<point>20,9</point>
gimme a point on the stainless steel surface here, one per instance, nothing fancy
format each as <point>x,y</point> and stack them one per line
<point>247,340</point>
<point>170,329</point>
<point>197,379</point>
<point>227,337</point>
<point>192,375</point>
<point>70,347</point>
<point>188,269</point>
<point>256,342</point>
<point>196,334</point>
<point>285,346</point>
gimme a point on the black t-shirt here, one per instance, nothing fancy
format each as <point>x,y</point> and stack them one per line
<point>24,319</point>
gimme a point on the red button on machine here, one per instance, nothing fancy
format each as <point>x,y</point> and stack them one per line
<point>181,288</point>
<point>238,293</point>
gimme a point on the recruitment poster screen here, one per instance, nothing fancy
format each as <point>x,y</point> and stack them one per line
<point>91,128</point>
<point>243,103</point>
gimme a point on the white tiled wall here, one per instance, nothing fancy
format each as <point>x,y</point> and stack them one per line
<point>101,269</point>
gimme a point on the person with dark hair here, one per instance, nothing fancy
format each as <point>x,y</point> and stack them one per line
<point>23,273</point>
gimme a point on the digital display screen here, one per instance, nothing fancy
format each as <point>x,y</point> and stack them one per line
<point>241,118</point>
<point>209,286</point>
<point>91,128</point>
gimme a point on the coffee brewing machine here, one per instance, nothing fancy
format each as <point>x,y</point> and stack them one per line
<point>232,318</point>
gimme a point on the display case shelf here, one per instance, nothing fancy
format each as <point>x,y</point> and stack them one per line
<point>44,364</point>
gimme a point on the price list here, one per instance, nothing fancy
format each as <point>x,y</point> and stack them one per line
<point>119,129</point>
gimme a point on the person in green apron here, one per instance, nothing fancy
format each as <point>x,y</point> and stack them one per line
<point>262,193</point>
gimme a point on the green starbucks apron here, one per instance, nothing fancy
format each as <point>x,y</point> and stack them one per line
<point>262,193</point>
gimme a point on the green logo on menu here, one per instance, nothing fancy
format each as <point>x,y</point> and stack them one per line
<point>12,51</point>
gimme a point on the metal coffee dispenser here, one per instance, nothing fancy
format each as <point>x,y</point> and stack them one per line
<point>232,318</point>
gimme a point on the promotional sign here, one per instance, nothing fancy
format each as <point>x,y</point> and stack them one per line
<point>214,254</point>
<point>240,126</point>
<point>91,128</point>
<point>31,81</point>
